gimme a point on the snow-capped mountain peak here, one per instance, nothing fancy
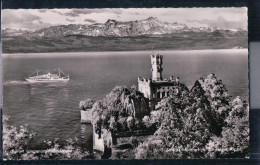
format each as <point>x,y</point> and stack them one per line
<point>149,26</point>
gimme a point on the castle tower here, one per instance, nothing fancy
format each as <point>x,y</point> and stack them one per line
<point>157,60</point>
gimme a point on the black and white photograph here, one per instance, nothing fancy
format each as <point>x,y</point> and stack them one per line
<point>125,83</point>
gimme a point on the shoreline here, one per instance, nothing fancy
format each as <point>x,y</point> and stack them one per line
<point>102,53</point>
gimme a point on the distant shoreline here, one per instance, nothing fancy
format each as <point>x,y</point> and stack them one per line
<point>116,52</point>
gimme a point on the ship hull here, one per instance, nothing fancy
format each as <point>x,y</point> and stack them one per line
<point>46,81</point>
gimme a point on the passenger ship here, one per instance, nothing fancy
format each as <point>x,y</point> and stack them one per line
<point>49,77</point>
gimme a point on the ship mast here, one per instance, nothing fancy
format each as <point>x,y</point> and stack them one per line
<point>59,72</point>
<point>37,72</point>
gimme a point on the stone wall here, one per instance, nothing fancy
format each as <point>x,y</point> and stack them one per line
<point>144,86</point>
<point>86,116</point>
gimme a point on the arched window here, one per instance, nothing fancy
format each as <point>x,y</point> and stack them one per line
<point>158,94</point>
<point>163,94</point>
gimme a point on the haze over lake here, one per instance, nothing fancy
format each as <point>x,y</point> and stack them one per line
<point>51,109</point>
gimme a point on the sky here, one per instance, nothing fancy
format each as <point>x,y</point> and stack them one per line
<point>34,19</point>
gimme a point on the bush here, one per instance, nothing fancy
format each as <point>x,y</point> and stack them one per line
<point>146,121</point>
<point>86,104</point>
<point>151,150</point>
<point>16,146</point>
<point>130,122</point>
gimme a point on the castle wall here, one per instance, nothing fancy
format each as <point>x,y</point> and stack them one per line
<point>161,90</point>
<point>157,88</point>
<point>144,86</point>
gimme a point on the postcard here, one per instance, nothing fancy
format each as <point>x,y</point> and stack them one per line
<point>125,83</point>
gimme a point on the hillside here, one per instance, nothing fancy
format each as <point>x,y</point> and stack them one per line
<point>79,43</point>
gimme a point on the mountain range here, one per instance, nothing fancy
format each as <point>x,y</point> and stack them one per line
<point>113,35</point>
<point>149,26</point>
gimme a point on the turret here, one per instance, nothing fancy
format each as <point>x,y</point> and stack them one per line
<point>157,61</point>
<point>177,80</point>
<point>171,78</point>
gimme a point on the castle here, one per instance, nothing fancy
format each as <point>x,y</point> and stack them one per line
<point>157,88</point>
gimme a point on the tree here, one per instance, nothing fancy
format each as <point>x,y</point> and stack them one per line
<point>219,99</point>
<point>234,139</point>
<point>184,128</point>
<point>200,123</point>
<point>120,110</point>
<point>217,94</point>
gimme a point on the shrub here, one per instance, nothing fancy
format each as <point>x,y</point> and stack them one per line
<point>130,122</point>
<point>16,146</point>
<point>86,104</point>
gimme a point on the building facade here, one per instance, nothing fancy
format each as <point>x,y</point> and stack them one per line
<point>157,88</point>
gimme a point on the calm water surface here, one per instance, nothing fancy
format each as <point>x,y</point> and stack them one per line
<point>51,109</point>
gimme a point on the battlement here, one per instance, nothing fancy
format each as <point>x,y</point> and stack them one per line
<point>145,80</point>
<point>171,79</point>
<point>157,57</point>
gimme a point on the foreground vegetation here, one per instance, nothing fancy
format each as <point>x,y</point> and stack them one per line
<point>16,146</point>
<point>201,122</point>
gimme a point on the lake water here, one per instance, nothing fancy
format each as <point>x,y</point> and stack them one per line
<point>51,109</point>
